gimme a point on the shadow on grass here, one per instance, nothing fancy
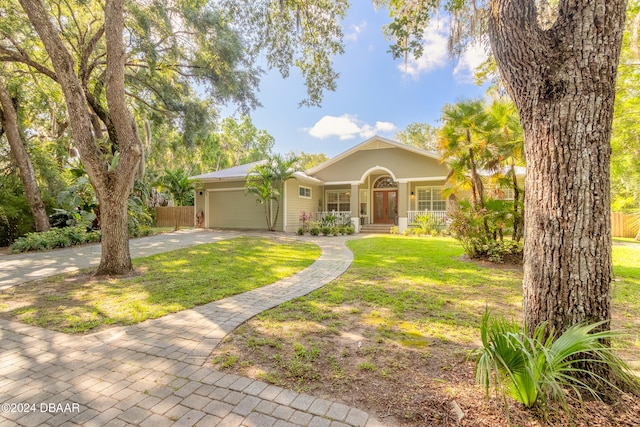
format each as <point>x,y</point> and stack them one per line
<point>163,284</point>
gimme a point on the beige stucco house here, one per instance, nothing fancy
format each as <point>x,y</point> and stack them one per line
<point>378,183</point>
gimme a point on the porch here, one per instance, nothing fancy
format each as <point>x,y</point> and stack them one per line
<point>436,219</point>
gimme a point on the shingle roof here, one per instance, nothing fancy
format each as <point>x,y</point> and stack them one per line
<point>239,172</point>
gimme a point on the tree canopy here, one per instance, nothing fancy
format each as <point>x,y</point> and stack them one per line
<point>123,68</point>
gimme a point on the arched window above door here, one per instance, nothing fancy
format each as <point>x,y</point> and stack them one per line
<point>385,182</point>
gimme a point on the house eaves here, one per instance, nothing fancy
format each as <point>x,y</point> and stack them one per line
<point>236,173</point>
<point>239,173</point>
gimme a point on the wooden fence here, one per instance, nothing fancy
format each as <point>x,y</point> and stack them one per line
<point>623,225</point>
<point>167,216</point>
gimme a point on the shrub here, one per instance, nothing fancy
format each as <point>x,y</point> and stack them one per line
<point>393,230</point>
<point>480,233</point>
<point>501,250</point>
<point>325,230</point>
<point>139,219</point>
<point>15,215</point>
<point>407,231</point>
<point>315,231</point>
<point>300,231</point>
<point>328,220</point>
<point>305,220</point>
<point>348,230</point>
<point>427,222</point>
<point>55,238</point>
<point>144,231</point>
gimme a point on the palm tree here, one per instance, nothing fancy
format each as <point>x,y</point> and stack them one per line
<point>464,141</point>
<point>509,144</point>
<point>266,182</point>
<point>178,184</point>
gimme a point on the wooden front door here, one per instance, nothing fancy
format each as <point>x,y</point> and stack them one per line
<point>385,206</point>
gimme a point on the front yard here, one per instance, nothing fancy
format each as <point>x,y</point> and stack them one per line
<point>393,335</point>
<point>162,284</point>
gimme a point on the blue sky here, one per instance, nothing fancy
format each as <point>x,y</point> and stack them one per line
<point>375,94</point>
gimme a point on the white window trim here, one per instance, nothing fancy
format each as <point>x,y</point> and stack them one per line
<point>300,187</point>
<point>327,192</point>
<point>430,188</point>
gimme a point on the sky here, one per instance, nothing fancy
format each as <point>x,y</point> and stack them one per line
<point>376,95</point>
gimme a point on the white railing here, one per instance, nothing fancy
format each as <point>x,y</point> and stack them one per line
<point>341,217</point>
<point>325,218</point>
<point>439,217</point>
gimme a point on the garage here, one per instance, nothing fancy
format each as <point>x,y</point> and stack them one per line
<point>233,208</point>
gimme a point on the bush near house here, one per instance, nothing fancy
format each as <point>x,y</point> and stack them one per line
<point>481,231</point>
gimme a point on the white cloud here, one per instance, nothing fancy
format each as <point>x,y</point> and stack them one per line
<point>435,54</point>
<point>355,31</point>
<point>348,127</point>
<point>471,58</point>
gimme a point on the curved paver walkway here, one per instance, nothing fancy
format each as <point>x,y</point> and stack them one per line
<point>157,373</point>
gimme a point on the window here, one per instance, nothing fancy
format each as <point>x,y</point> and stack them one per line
<point>430,199</point>
<point>339,201</point>
<point>304,192</point>
<point>501,193</point>
<point>363,202</point>
<point>385,182</point>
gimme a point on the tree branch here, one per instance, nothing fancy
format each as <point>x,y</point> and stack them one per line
<point>10,56</point>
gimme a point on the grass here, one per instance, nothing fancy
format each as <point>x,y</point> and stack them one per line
<point>626,240</point>
<point>403,319</point>
<point>163,284</point>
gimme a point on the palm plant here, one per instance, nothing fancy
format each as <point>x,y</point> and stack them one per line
<point>463,140</point>
<point>177,183</point>
<point>266,182</point>
<point>532,369</point>
<point>509,147</point>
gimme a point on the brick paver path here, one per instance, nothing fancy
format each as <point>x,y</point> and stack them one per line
<point>157,373</point>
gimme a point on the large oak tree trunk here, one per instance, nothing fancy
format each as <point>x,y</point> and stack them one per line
<point>111,183</point>
<point>9,119</point>
<point>563,81</point>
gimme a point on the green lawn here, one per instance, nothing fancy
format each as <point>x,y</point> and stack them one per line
<point>626,300</point>
<point>399,325</point>
<point>163,283</point>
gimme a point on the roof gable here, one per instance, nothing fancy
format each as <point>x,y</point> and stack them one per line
<point>373,143</point>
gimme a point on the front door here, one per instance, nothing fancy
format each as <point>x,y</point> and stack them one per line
<point>385,207</point>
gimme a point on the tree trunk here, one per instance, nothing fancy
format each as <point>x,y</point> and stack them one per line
<point>115,258</point>
<point>518,219</point>
<point>111,183</point>
<point>563,82</point>
<point>9,118</point>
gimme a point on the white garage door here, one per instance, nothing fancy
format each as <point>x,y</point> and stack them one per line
<point>235,209</point>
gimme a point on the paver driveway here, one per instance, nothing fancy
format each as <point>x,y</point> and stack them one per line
<point>158,372</point>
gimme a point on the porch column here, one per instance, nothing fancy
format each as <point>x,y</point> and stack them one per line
<point>403,202</point>
<point>355,194</point>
